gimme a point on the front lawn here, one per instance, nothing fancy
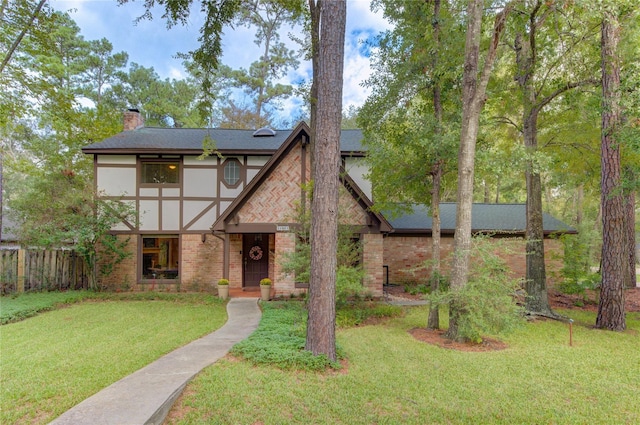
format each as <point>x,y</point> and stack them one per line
<point>55,360</point>
<point>391,378</point>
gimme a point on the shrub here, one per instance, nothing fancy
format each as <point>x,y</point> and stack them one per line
<point>280,340</point>
<point>487,303</point>
<point>349,284</point>
<point>578,255</point>
<point>357,313</point>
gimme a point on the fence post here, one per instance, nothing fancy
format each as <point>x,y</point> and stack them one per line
<point>21,267</point>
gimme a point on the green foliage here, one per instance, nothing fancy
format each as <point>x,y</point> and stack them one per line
<point>280,340</point>
<point>265,281</point>
<point>358,312</point>
<point>415,288</point>
<point>578,258</point>
<point>349,274</point>
<point>73,216</point>
<point>349,284</point>
<point>19,307</point>
<point>487,304</point>
<point>408,137</point>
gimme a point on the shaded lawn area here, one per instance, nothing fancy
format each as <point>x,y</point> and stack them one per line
<point>392,378</point>
<point>55,360</point>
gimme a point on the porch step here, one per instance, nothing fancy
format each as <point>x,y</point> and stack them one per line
<point>250,292</point>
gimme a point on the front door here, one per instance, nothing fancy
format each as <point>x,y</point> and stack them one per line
<point>255,258</point>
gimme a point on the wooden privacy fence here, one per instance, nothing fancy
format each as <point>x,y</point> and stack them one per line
<point>41,270</point>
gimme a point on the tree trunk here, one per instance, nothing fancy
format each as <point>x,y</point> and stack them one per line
<point>314,12</point>
<point>630,278</point>
<point>1,200</point>
<point>433,321</point>
<point>473,98</point>
<point>537,300</point>
<point>611,313</point>
<point>324,206</point>
<point>466,159</point>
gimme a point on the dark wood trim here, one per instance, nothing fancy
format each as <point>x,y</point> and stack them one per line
<point>251,227</point>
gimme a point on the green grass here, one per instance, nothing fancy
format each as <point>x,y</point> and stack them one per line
<point>281,335</point>
<point>53,361</point>
<point>392,378</point>
<point>14,308</point>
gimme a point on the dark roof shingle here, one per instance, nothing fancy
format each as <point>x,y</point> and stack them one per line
<point>190,140</point>
<point>498,218</point>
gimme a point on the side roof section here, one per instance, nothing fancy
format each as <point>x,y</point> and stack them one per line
<point>488,218</point>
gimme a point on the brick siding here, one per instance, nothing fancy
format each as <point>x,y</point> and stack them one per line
<point>201,262</point>
<point>406,255</point>
<point>372,256</point>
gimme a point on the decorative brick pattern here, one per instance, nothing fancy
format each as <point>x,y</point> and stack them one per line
<point>350,211</point>
<point>276,199</point>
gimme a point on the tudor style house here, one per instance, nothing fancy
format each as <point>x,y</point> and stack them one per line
<point>232,214</point>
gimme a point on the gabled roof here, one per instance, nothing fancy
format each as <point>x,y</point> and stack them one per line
<point>300,133</point>
<point>487,218</point>
<point>364,201</point>
<point>190,141</point>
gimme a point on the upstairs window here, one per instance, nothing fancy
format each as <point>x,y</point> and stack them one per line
<point>231,172</point>
<point>161,172</point>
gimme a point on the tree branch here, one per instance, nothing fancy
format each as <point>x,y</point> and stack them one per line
<point>16,43</point>
<point>498,29</point>
<point>559,91</point>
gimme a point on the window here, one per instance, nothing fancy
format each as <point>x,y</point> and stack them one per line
<point>231,172</point>
<point>161,172</point>
<point>160,257</point>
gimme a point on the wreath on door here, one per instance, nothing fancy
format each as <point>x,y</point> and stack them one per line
<point>255,253</point>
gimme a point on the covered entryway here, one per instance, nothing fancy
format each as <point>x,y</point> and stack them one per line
<point>255,259</point>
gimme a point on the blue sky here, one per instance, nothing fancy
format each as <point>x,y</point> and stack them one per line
<point>150,44</point>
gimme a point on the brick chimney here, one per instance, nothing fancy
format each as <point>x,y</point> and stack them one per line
<point>133,119</point>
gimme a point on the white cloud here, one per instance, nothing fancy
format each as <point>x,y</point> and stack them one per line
<point>150,44</point>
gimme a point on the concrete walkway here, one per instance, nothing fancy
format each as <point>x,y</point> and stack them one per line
<point>146,396</point>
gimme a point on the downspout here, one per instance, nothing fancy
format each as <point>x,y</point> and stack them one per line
<point>225,254</point>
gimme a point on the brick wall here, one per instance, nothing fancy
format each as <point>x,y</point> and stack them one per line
<point>132,119</point>
<point>283,284</point>
<point>124,274</point>
<point>276,199</point>
<point>372,256</point>
<point>406,255</point>
<point>201,262</point>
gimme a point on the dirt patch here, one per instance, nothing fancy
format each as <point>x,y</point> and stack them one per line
<point>589,301</point>
<point>399,291</point>
<point>436,337</point>
<point>180,409</point>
